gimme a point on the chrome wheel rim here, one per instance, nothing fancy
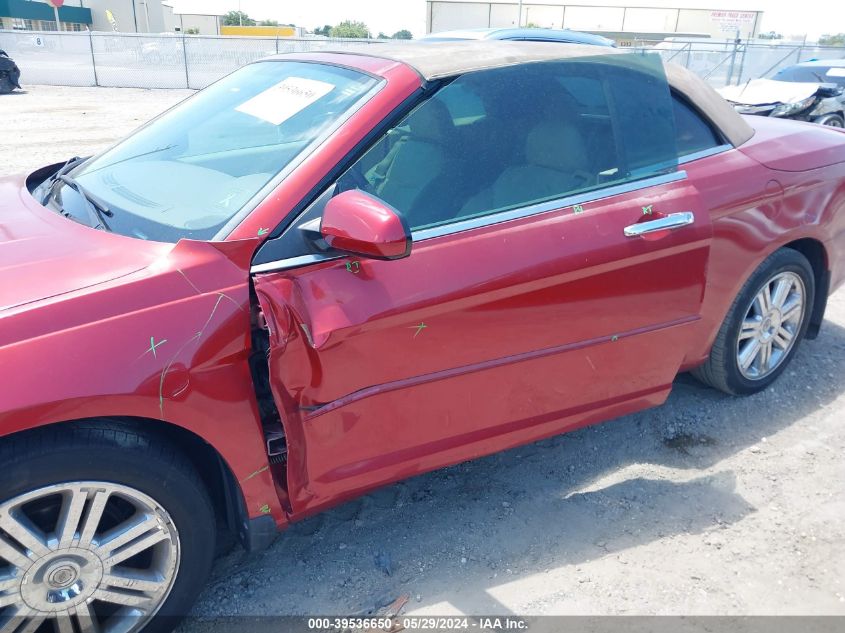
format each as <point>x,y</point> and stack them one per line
<point>771,324</point>
<point>84,556</point>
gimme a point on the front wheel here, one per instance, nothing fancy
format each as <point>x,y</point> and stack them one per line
<point>832,120</point>
<point>6,84</point>
<point>763,327</point>
<point>101,529</point>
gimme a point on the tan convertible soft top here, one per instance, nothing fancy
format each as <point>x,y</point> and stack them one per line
<point>436,60</point>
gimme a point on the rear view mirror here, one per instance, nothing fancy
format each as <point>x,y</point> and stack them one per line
<point>358,223</point>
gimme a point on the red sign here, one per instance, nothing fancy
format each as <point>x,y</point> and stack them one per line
<point>56,3</point>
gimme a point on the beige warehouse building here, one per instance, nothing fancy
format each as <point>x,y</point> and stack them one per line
<point>602,16</point>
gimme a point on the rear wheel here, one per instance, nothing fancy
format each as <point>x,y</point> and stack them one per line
<point>101,529</point>
<point>764,326</point>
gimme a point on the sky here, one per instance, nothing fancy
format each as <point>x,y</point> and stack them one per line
<point>789,17</point>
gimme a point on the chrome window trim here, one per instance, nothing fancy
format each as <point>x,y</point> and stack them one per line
<point>292,262</point>
<point>545,207</point>
<point>489,220</point>
<point>712,151</point>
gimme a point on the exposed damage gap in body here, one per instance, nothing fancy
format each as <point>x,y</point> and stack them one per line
<point>271,421</point>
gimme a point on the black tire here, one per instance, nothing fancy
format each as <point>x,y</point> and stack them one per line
<point>832,120</point>
<point>114,452</point>
<point>721,370</point>
<point>6,85</point>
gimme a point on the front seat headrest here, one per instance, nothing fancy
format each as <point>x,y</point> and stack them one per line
<point>431,122</point>
<point>556,145</point>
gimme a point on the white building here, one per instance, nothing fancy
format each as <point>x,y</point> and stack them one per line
<point>657,17</point>
<point>130,16</point>
<point>197,23</point>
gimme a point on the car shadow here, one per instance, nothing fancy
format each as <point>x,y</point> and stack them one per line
<point>455,534</point>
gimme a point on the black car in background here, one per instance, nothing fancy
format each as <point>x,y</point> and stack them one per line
<point>9,74</point>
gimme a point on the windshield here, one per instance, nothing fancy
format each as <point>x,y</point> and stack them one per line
<point>186,174</point>
<point>812,74</point>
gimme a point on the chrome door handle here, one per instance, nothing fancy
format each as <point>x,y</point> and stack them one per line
<point>671,221</point>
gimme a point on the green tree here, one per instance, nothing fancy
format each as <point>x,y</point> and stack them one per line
<point>832,40</point>
<point>350,28</point>
<point>532,25</point>
<point>323,30</point>
<point>404,34</point>
<point>237,18</point>
<point>383,36</point>
<point>268,23</point>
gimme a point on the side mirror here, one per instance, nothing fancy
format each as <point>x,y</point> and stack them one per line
<point>361,224</point>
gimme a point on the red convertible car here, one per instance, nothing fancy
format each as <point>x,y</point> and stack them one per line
<point>330,271</point>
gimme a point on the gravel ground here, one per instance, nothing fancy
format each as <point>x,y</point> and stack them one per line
<point>707,505</point>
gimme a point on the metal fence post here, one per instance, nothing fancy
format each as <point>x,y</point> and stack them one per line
<point>185,59</point>
<point>733,61</point>
<point>93,59</point>
<point>742,63</point>
<point>277,43</point>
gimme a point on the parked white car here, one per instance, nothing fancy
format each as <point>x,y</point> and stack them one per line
<point>811,91</point>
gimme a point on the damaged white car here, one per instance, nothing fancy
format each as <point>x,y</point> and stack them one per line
<point>811,91</point>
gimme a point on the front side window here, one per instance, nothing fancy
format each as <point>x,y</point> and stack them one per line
<point>190,171</point>
<point>512,137</point>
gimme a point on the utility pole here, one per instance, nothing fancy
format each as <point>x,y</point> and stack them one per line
<point>519,19</point>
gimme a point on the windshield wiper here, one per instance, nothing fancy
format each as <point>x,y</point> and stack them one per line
<point>97,209</point>
<point>70,164</point>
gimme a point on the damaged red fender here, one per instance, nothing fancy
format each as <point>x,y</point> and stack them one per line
<point>168,342</point>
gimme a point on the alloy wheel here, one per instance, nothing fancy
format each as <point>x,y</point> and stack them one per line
<point>89,556</point>
<point>771,325</point>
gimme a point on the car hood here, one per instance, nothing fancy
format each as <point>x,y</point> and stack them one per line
<point>43,254</point>
<point>769,91</point>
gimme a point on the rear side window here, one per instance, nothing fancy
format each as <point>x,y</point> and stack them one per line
<point>694,133</point>
<point>517,136</point>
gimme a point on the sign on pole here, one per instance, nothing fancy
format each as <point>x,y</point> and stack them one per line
<point>56,4</point>
<point>733,21</point>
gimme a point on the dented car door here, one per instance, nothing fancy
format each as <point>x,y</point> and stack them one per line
<point>522,310</point>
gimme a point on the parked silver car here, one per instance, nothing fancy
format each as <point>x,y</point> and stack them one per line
<point>811,91</point>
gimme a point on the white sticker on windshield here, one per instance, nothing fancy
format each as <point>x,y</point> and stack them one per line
<point>280,102</point>
<point>836,72</point>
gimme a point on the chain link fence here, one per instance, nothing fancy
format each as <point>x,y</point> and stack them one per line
<point>724,62</point>
<point>131,60</point>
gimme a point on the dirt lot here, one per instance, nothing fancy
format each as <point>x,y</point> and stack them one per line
<point>708,505</point>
